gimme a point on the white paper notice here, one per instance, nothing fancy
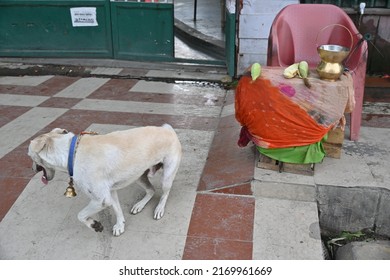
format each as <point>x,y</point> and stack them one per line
<point>83,16</point>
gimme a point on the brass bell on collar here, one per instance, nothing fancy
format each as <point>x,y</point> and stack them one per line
<point>70,192</point>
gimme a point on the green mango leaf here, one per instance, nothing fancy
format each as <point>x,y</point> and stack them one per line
<point>255,71</point>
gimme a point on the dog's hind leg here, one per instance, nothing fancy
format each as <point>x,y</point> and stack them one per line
<point>171,166</point>
<point>119,227</point>
<point>144,182</point>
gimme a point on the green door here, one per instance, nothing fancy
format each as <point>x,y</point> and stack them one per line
<point>143,31</point>
<point>86,28</point>
<point>45,28</point>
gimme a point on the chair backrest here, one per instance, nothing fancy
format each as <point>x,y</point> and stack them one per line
<point>298,30</point>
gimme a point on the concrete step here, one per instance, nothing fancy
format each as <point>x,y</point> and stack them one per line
<point>365,250</point>
<point>286,225</point>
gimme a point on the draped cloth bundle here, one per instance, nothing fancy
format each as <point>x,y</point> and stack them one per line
<point>279,113</point>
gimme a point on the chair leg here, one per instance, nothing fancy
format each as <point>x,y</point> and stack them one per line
<point>356,120</point>
<point>356,115</point>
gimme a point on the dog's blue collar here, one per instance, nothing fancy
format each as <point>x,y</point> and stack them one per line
<point>73,148</point>
<point>72,151</point>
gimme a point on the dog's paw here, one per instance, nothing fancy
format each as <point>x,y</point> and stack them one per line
<point>97,226</point>
<point>118,229</point>
<point>158,212</point>
<point>137,208</point>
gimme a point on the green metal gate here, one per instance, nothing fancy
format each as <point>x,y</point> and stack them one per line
<point>44,28</point>
<point>142,30</point>
<point>86,28</point>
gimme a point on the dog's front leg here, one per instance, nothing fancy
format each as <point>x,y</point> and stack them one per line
<point>119,227</point>
<point>92,208</point>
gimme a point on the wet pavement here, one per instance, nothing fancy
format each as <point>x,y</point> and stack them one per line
<point>199,30</point>
<point>33,105</point>
<point>208,19</point>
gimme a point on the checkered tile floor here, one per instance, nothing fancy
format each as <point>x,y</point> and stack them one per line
<point>34,105</point>
<point>211,211</point>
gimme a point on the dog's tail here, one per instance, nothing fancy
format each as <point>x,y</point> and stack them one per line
<point>169,127</point>
<point>152,170</point>
<point>165,125</point>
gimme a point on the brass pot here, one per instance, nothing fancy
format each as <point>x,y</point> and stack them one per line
<point>331,67</point>
<point>332,56</point>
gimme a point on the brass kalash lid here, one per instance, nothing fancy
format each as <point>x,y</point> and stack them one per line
<point>331,67</point>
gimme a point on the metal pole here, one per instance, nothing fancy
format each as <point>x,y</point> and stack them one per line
<point>195,6</point>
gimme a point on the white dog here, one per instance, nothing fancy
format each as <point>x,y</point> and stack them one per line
<point>102,164</point>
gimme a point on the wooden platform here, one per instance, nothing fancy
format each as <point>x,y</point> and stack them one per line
<point>333,146</point>
<point>271,164</point>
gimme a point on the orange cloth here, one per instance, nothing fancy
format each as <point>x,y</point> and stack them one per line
<point>272,118</point>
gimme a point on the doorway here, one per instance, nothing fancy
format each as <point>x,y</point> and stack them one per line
<point>199,30</point>
<point>188,31</point>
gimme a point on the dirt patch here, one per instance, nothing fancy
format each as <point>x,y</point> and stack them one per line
<point>334,241</point>
<point>37,70</point>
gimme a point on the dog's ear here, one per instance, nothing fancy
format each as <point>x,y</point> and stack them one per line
<point>60,131</point>
<point>40,143</point>
<point>37,144</point>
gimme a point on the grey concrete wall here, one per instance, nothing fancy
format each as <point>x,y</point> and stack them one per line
<point>354,208</point>
<point>255,20</point>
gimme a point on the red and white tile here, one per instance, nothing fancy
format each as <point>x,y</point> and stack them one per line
<point>214,211</point>
<point>34,105</point>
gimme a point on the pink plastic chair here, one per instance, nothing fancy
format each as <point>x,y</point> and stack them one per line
<point>298,29</point>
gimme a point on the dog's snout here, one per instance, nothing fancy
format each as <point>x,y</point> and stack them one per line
<point>36,167</point>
